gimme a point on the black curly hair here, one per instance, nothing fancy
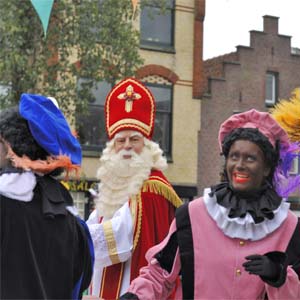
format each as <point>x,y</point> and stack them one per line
<point>14,130</point>
<point>271,153</point>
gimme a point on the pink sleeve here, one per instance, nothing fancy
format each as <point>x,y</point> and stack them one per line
<point>289,291</point>
<point>153,281</point>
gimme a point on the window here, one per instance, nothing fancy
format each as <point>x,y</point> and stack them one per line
<point>294,198</point>
<point>163,95</point>
<point>271,88</point>
<point>295,203</point>
<point>157,26</point>
<point>91,125</point>
<point>295,166</point>
<point>85,20</point>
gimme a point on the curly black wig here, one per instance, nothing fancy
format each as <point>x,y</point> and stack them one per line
<point>14,130</point>
<point>253,135</point>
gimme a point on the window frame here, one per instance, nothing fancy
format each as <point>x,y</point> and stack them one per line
<point>274,87</point>
<point>294,198</point>
<point>154,45</point>
<point>167,153</point>
<point>94,149</point>
<point>295,166</point>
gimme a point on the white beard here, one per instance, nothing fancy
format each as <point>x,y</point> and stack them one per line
<point>120,179</point>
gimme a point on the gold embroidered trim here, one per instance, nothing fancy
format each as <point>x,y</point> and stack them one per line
<point>129,96</point>
<point>120,279</point>
<point>138,219</point>
<point>129,122</point>
<point>103,281</point>
<point>162,188</point>
<point>111,242</point>
<point>133,210</point>
<point>158,178</point>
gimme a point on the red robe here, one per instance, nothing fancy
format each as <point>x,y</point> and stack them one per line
<point>153,210</point>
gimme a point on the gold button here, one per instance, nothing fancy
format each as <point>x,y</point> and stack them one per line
<point>242,243</point>
<point>238,272</point>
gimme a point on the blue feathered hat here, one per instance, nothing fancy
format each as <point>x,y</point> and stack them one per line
<point>49,127</point>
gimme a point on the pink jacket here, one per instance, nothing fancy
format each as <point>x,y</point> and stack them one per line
<point>219,273</point>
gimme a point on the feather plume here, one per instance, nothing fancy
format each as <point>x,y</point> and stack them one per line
<point>287,114</point>
<point>41,166</point>
<point>285,182</point>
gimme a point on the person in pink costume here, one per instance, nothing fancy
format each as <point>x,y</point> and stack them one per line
<point>239,240</point>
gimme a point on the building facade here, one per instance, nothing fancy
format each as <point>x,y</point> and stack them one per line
<point>171,45</point>
<point>254,76</point>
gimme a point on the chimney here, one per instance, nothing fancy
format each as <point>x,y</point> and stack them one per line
<point>270,24</point>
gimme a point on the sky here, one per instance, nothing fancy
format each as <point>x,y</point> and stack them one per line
<point>227,22</point>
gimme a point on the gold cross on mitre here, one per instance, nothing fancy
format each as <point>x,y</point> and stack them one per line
<point>129,96</point>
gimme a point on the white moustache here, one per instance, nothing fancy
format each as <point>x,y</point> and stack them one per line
<point>125,152</point>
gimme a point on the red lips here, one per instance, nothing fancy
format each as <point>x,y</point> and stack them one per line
<point>240,177</point>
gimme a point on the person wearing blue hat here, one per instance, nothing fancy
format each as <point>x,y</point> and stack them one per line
<point>46,251</point>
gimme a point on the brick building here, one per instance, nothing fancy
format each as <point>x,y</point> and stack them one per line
<point>252,77</point>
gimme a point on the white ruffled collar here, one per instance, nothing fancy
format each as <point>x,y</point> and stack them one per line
<point>244,228</point>
<point>18,186</point>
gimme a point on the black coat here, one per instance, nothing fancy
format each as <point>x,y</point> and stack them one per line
<point>44,248</point>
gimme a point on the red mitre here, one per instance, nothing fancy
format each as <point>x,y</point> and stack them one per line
<point>130,106</point>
